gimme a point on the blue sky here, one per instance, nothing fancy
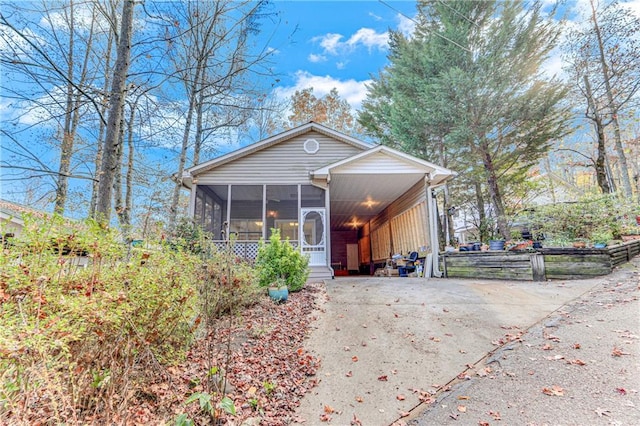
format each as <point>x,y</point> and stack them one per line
<point>342,43</point>
<point>336,43</point>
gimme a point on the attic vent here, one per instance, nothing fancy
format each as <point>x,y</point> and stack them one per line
<point>311,146</point>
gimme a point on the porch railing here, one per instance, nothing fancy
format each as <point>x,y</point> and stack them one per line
<point>245,249</point>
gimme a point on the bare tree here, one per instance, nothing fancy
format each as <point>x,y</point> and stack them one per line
<point>604,58</point>
<point>55,56</point>
<point>212,56</point>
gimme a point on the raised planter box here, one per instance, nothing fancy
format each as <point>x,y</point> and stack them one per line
<point>539,265</point>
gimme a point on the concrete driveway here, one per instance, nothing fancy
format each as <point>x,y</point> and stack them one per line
<point>386,342</point>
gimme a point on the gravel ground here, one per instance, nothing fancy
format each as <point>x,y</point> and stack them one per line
<point>578,366</point>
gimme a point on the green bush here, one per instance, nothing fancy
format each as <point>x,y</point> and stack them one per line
<point>590,218</point>
<point>279,259</point>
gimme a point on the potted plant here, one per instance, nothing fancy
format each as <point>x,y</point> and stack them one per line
<point>278,290</point>
<point>579,243</point>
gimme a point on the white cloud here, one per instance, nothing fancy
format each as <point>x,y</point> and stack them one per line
<point>329,42</point>
<point>316,58</point>
<point>353,91</point>
<point>369,38</point>
<point>405,25</point>
<point>332,43</point>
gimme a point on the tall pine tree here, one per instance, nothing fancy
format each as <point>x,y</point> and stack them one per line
<point>466,91</point>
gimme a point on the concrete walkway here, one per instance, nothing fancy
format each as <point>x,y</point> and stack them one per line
<point>386,344</point>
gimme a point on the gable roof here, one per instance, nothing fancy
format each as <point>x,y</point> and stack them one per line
<point>274,140</point>
<point>406,164</point>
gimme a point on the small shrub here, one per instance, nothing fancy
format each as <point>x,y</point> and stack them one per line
<point>279,259</point>
<point>72,338</point>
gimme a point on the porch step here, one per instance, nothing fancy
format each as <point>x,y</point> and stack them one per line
<point>319,273</point>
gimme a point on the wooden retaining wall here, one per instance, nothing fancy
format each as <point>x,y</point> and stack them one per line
<point>543,264</point>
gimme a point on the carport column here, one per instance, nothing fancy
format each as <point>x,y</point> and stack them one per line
<point>433,229</point>
<point>327,226</point>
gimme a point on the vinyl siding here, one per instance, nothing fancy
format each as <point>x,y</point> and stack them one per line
<point>284,163</point>
<point>378,164</point>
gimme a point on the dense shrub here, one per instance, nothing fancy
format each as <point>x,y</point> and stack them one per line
<point>79,342</point>
<point>278,259</point>
<point>591,218</point>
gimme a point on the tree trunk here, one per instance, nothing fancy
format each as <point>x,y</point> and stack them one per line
<point>175,199</point>
<point>66,149</point>
<point>108,166</point>
<point>117,177</point>
<point>494,190</point>
<point>601,172</point>
<point>193,96</point>
<point>128,197</point>
<point>99,140</point>
<point>482,214</point>
<point>613,108</point>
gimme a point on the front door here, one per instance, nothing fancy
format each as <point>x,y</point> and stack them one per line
<point>313,241</point>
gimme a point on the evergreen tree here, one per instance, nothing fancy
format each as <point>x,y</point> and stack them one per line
<point>466,91</point>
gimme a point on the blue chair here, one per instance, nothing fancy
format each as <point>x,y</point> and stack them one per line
<point>410,265</point>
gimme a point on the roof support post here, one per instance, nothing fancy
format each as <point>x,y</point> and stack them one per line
<point>433,230</point>
<point>192,201</point>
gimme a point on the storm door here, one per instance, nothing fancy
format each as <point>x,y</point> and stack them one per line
<point>313,230</point>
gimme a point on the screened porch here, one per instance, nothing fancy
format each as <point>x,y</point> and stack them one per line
<point>247,213</point>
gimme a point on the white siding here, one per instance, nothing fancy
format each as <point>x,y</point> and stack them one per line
<point>284,163</point>
<point>378,163</point>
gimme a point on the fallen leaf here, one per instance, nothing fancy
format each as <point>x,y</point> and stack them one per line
<point>618,352</point>
<point>354,358</point>
<point>349,374</point>
<point>325,418</point>
<point>463,397</point>
<point>356,421</point>
<point>577,362</point>
<point>621,391</point>
<point>462,408</point>
<point>547,347</point>
<point>359,399</point>
<point>400,397</point>
<point>553,391</point>
<point>347,348</point>
<point>576,346</point>
<point>403,414</point>
<point>382,378</point>
<point>329,409</point>
<point>495,415</point>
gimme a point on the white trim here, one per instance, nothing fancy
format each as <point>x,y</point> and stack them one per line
<point>311,150</point>
<point>437,173</point>
<point>192,201</point>
<point>200,168</point>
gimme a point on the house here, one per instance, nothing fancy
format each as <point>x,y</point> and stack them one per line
<point>347,204</point>
<point>11,222</point>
